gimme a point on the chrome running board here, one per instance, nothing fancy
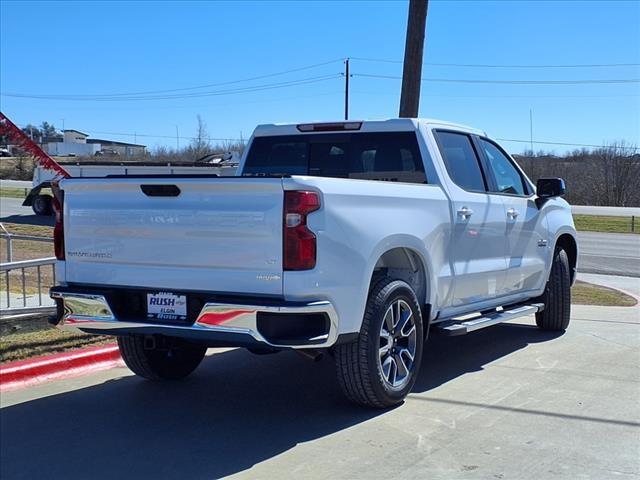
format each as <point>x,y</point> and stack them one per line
<point>462,327</point>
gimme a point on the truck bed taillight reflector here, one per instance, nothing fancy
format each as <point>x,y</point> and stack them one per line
<point>58,229</point>
<point>299,241</point>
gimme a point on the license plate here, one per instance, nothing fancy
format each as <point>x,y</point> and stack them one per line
<point>166,306</point>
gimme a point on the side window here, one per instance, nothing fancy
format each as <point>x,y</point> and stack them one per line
<point>392,157</point>
<point>461,160</point>
<point>508,179</point>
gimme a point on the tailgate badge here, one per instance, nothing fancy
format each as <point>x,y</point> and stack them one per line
<point>268,277</point>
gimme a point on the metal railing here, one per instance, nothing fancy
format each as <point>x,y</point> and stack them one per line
<point>28,300</point>
<point>10,237</point>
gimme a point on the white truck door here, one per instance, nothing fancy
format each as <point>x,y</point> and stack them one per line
<point>478,242</point>
<point>526,232</point>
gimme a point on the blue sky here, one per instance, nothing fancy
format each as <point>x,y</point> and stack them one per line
<point>101,48</point>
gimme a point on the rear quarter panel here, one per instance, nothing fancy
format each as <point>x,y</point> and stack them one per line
<point>358,222</point>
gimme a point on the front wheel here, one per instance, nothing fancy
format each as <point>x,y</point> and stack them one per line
<point>167,362</point>
<point>557,295</point>
<point>380,367</point>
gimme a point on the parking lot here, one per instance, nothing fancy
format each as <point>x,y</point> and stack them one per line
<point>506,402</point>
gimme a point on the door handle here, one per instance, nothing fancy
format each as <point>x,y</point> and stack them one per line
<point>512,214</point>
<point>465,213</point>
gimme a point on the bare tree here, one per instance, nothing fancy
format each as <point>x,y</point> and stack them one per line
<point>605,176</point>
<point>200,144</point>
<point>619,174</point>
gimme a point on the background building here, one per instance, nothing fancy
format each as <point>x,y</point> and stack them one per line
<point>76,143</point>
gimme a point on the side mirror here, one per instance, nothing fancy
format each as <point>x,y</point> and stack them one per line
<point>550,187</point>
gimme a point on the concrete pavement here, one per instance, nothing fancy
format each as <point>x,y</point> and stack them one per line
<point>507,402</point>
<point>629,285</point>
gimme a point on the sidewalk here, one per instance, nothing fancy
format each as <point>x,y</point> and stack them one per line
<point>627,284</point>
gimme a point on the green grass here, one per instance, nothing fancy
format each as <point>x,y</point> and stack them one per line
<point>28,250</point>
<point>584,293</point>
<point>18,346</point>
<point>597,223</point>
<point>13,192</point>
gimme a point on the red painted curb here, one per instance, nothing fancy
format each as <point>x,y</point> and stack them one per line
<point>24,373</point>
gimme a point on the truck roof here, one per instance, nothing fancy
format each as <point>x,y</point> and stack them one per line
<point>388,125</point>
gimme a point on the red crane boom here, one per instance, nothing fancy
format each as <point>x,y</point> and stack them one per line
<point>20,139</point>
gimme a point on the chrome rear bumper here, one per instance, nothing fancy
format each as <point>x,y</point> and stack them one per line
<point>232,324</point>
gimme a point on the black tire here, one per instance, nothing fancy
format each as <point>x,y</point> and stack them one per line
<point>359,363</point>
<point>42,205</point>
<point>171,363</point>
<point>557,295</point>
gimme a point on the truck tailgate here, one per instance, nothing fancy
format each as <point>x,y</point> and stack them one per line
<point>216,235</point>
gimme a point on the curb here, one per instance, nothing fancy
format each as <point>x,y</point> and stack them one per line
<point>24,373</point>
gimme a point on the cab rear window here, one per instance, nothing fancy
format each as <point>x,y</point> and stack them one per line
<point>392,156</point>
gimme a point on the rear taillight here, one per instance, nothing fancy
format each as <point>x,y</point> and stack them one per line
<point>299,241</point>
<point>58,229</point>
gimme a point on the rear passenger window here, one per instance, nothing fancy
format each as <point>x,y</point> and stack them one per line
<point>461,160</point>
<point>387,156</point>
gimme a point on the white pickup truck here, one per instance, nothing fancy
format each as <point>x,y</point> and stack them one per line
<point>353,238</point>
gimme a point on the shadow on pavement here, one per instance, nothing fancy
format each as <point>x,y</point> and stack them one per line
<point>446,358</point>
<point>237,410</point>
<point>30,220</point>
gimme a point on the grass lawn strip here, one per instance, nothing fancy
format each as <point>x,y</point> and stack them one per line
<point>584,293</point>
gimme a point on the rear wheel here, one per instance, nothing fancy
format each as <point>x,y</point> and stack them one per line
<point>166,362</point>
<point>557,295</point>
<point>380,367</point>
<point>42,205</point>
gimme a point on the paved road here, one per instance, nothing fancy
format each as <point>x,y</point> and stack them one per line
<point>607,211</point>
<point>609,253</point>
<point>507,402</point>
<point>11,210</point>
<point>16,183</point>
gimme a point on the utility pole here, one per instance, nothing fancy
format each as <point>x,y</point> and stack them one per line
<point>346,88</point>
<point>177,140</point>
<point>413,50</point>
<point>531,129</point>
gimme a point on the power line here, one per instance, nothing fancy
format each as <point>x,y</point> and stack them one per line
<point>249,89</point>
<point>509,82</point>
<point>230,82</point>
<point>146,135</point>
<point>485,65</point>
<point>124,134</point>
<point>360,92</point>
<point>567,144</point>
